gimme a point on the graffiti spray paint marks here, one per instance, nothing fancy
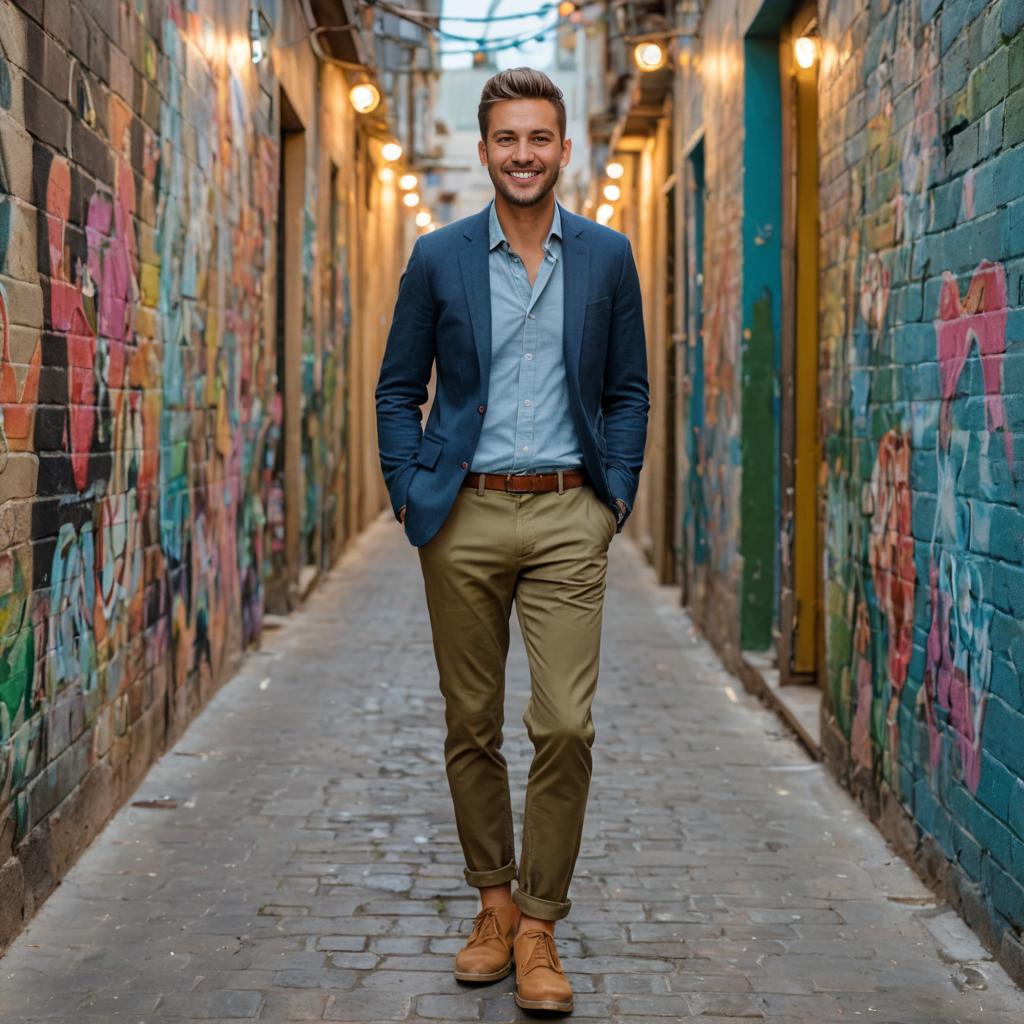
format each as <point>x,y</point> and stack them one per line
<point>958,663</point>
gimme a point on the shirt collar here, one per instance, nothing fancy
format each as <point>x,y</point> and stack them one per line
<point>497,236</point>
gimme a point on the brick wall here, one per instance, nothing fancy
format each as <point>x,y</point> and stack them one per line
<point>141,486</point>
<point>921,398</point>
<point>922,196</point>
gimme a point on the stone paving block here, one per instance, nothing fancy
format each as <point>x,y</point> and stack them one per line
<point>288,1006</point>
<point>367,1006</point>
<point>207,1005</point>
<point>317,874</point>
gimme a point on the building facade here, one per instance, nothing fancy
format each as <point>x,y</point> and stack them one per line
<point>833,258</point>
<point>194,250</point>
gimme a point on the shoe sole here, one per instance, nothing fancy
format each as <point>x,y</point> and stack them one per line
<point>543,1004</point>
<point>483,978</point>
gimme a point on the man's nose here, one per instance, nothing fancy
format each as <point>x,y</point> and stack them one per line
<point>524,154</point>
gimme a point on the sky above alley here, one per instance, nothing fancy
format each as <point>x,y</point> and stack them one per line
<point>537,54</point>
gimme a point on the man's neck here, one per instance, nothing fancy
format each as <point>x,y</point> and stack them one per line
<point>525,226</point>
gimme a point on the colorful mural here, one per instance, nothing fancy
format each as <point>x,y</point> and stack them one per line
<point>920,400</point>
<point>141,416</point>
<point>923,522</point>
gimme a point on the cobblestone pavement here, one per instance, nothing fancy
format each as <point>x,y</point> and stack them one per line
<point>310,868</point>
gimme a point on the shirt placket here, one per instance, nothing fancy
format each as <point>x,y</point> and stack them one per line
<point>525,388</point>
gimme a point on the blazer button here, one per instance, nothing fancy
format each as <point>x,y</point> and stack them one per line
<point>481,409</point>
<point>465,465</point>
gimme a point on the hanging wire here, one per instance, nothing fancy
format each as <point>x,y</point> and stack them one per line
<point>484,45</point>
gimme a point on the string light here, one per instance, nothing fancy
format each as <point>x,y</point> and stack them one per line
<point>408,182</point>
<point>649,56</point>
<point>423,219</point>
<point>605,212</point>
<point>391,151</point>
<point>615,170</point>
<point>805,50</point>
<point>612,193</point>
<point>411,199</point>
<point>364,97</point>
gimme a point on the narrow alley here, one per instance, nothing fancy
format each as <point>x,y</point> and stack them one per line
<point>292,858</point>
<point>736,285</point>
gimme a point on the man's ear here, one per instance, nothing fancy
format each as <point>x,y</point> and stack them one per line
<point>481,148</point>
<point>566,152</point>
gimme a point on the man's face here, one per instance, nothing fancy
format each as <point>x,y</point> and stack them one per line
<point>524,151</point>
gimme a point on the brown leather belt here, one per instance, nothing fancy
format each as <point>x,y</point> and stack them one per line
<point>525,483</point>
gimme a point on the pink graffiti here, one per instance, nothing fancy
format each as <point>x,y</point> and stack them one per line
<point>958,657</point>
<point>891,551</point>
<point>110,238</point>
<point>980,318</point>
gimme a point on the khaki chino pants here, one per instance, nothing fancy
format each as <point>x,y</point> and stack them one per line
<point>547,552</point>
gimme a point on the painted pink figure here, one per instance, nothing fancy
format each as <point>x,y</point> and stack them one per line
<point>979,319</point>
<point>958,658</point>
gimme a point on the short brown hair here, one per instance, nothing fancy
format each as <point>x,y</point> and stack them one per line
<point>520,84</point>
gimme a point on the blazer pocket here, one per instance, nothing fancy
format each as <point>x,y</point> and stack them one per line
<point>597,304</point>
<point>430,452</point>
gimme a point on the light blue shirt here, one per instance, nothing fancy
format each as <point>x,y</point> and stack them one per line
<point>527,425</point>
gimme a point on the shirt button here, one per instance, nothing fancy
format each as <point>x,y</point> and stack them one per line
<point>529,355</point>
<point>526,447</point>
<point>527,402</point>
<point>480,409</point>
<point>530,316</point>
<point>465,465</point>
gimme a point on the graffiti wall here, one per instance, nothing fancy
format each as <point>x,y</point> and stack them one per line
<point>922,155</point>
<point>140,402</point>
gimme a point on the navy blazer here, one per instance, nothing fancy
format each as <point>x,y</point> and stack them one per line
<point>443,317</point>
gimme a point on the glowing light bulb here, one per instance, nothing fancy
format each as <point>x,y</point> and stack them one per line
<point>364,97</point>
<point>649,56</point>
<point>408,182</point>
<point>423,219</point>
<point>386,174</point>
<point>391,151</point>
<point>805,49</point>
<point>411,199</point>
<point>605,212</point>
<point>615,170</point>
<point>612,193</point>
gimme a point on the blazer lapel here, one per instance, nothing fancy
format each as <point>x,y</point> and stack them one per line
<point>474,261</point>
<point>575,276</point>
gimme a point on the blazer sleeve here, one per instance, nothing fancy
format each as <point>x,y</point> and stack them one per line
<point>404,376</point>
<point>626,396</point>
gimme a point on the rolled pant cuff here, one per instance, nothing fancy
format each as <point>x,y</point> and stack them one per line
<point>543,910</point>
<point>498,876</point>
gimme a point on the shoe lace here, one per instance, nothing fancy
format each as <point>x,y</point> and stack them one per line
<point>485,926</point>
<point>544,952</point>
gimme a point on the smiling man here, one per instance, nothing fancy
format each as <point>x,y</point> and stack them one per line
<point>526,469</point>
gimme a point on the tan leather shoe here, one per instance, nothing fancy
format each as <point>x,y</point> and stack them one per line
<point>487,954</point>
<point>541,983</point>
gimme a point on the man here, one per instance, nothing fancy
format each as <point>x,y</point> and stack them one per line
<point>526,469</point>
